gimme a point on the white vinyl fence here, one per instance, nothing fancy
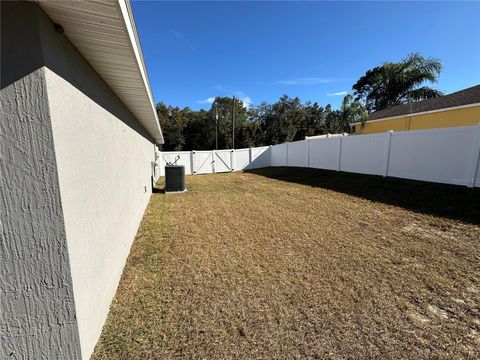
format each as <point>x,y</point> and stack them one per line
<point>450,155</point>
<point>217,161</point>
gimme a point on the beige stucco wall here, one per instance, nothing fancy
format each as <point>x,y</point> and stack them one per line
<point>398,124</point>
<point>449,118</point>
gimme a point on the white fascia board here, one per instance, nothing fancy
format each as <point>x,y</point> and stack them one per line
<point>105,34</point>
<point>131,28</point>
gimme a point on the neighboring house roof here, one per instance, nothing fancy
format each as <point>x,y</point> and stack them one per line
<point>104,32</point>
<point>469,96</point>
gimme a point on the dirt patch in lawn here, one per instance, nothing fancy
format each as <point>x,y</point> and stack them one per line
<point>251,265</point>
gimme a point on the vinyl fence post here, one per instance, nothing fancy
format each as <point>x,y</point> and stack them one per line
<point>192,162</point>
<point>162,165</point>
<point>250,158</point>
<point>213,161</point>
<point>476,158</point>
<point>339,152</point>
<point>160,158</point>
<point>270,154</point>
<point>308,152</point>
<point>232,160</point>
<point>388,142</point>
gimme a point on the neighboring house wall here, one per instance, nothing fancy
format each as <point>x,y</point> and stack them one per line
<point>76,178</point>
<point>398,124</point>
<point>441,119</point>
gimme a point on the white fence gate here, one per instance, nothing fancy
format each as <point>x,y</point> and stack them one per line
<point>223,160</point>
<point>450,155</point>
<point>217,161</point>
<point>202,162</point>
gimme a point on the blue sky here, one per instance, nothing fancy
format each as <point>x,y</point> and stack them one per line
<point>259,51</point>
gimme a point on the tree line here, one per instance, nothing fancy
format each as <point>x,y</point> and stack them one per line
<point>289,119</point>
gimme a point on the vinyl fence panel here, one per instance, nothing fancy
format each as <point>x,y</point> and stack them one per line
<point>210,161</point>
<point>223,161</point>
<point>169,157</point>
<point>476,152</point>
<point>279,155</point>
<point>324,153</point>
<point>436,155</point>
<point>260,157</point>
<point>364,154</point>
<point>242,159</point>
<point>297,153</point>
<point>450,155</point>
<point>203,162</point>
<point>477,179</point>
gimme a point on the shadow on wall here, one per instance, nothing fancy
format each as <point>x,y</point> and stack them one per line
<point>454,202</point>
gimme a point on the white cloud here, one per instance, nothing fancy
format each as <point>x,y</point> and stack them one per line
<point>305,81</point>
<point>176,33</point>
<point>209,100</point>
<point>247,101</point>
<point>339,93</point>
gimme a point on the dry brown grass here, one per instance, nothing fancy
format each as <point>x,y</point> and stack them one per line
<point>247,266</point>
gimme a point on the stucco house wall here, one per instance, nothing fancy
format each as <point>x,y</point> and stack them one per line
<point>37,309</point>
<point>77,172</point>
<point>105,184</point>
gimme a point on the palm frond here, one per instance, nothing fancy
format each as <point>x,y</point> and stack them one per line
<point>424,93</point>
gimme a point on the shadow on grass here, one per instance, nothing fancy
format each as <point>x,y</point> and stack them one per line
<point>157,190</point>
<point>454,202</point>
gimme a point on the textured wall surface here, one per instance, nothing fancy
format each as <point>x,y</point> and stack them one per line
<point>104,158</point>
<point>37,312</point>
<point>76,170</point>
<point>105,185</point>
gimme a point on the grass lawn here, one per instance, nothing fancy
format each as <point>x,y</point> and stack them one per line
<point>299,263</point>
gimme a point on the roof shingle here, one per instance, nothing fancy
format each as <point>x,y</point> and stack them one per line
<point>463,97</point>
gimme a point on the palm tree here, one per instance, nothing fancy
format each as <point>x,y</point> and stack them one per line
<point>398,83</point>
<point>352,111</point>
